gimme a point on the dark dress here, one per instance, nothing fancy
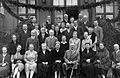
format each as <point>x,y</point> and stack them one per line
<point>12,47</point>
<point>88,68</point>
<point>58,35</point>
<point>22,39</point>
<point>64,46</point>
<point>57,55</point>
<point>44,69</point>
<point>4,71</point>
<point>79,31</point>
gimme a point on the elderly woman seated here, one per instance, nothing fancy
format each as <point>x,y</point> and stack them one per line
<point>4,63</point>
<point>30,58</point>
<point>88,56</point>
<point>102,62</point>
<point>71,57</point>
<point>17,62</point>
<point>116,61</point>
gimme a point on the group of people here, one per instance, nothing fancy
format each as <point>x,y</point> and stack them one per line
<point>64,48</point>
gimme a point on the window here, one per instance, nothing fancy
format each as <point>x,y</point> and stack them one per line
<point>1,9</point>
<point>63,3</point>
<point>25,12</point>
<point>107,10</point>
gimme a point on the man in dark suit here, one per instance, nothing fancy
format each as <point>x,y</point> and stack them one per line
<point>78,29</point>
<point>80,22</point>
<point>42,36</point>
<point>48,23</point>
<point>44,62</point>
<point>23,35</point>
<point>67,32</point>
<point>86,23</point>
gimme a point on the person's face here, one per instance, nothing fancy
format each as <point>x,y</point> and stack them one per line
<point>68,26</point>
<point>85,19</point>
<point>36,26</point>
<point>90,30</point>
<point>32,33</point>
<point>101,46</point>
<point>14,37</point>
<point>71,20</point>
<point>25,27</point>
<point>116,48</point>
<point>75,23</point>
<point>80,16</point>
<point>31,47</point>
<point>63,38</point>
<point>51,33</point>
<point>85,35</point>
<point>19,48</point>
<point>56,28</point>
<point>74,35</point>
<point>53,27</point>
<point>63,25</point>
<point>43,47</point>
<point>65,17</point>
<point>87,46</point>
<point>57,46</point>
<point>95,23</point>
<point>4,50</point>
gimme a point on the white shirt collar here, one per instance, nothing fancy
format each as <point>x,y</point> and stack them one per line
<point>63,42</point>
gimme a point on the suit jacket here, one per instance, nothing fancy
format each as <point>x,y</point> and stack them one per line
<point>67,34</point>
<point>23,38</point>
<point>51,42</point>
<point>44,57</point>
<point>6,60</point>
<point>79,31</point>
<point>41,39</point>
<point>84,26</point>
<point>115,57</point>
<point>35,42</point>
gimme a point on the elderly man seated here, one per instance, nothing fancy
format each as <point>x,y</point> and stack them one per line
<point>116,61</point>
<point>72,58</point>
<point>4,63</point>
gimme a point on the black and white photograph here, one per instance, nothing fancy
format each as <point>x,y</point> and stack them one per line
<point>59,38</point>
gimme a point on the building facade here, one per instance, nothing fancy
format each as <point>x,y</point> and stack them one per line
<point>9,23</point>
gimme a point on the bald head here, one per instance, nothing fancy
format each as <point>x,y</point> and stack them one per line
<point>116,47</point>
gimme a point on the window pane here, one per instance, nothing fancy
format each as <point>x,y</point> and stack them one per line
<point>99,9</point>
<point>58,2</point>
<point>74,2</point>
<point>22,1</point>
<point>109,8</point>
<point>31,1</point>
<point>32,11</point>
<point>22,10</point>
<point>99,0</point>
<point>109,16</point>
<point>68,2</point>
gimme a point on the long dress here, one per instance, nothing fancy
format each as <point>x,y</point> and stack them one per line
<point>4,70</point>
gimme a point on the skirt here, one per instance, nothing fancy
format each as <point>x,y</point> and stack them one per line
<point>4,71</point>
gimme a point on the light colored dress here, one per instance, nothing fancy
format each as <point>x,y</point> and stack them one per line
<point>84,41</point>
<point>32,58</point>
<point>76,42</point>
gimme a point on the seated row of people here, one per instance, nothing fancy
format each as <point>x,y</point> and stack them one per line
<point>43,62</point>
